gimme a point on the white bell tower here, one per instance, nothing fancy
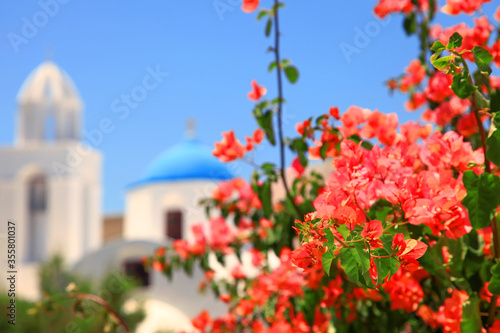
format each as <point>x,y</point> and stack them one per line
<point>49,107</point>
<point>50,182</point>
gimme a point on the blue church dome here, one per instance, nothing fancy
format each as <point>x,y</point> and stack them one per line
<point>188,160</point>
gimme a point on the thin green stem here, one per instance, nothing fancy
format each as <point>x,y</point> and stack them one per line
<point>393,225</point>
<point>101,302</point>
<point>342,242</point>
<point>475,111</point>
<point>279,108</point>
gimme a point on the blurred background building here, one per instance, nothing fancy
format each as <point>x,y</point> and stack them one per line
<point>50,185</point>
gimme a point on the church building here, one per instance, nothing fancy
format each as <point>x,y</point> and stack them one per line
<point>50,186</point>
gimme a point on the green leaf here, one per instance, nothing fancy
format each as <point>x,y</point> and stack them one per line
<point>320,119</point>
<point>343,230</point>
<point>323,150</point>
<point>410,24</point>
<point>454,41</point>
<point>356,264</point>
<point>496,119</point>
<point>437,46</point>
<point>482,58</point>
<point>349,263</point>
<point>481,101</point>
<point>431,262</point>
<point>327,260</point>
<point>483,197</point>
<point>268,167</point>
<point>494,286</point>
<point>380,209</point>
<point>471,318</point>
<point>495,103</point>
<point>432,9</point>
<point>385,266</point>
<point>387,242</point>
<point>292,74</point>
<point>278,6</point>
<point>285,62</point>
<point>272,66</point>
<point>270,170</point>
<point>472,263</point>
<point>265,198</point>
<point>443,62</point>
<point>356,138</point>
<point>493,150</point>
<point>265,121</point>
<point>299,146</point>
<point>461,85</point>
<point>330,240</point>
<point>268,27</point>
<point>364,260</point>
<point>262,14</point>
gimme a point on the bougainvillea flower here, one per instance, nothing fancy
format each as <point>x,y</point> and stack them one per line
<point>408,248</point>
<point>385,7</point>
<point>229,148</point>
<point>158,265</point>
<point>417,100</point>
<point>297,167</point>
<point>244,308</point>
<point>257,91</point>
<point>303,127</point>
<point>181,247</point>
<point>202,321</point>
<point>408,251</point>
<point>455,7</point>
<point>467,125</point>
<point>415,75</point>
<point>237,272</point>
<point>265,223</point>
<point>334,112</point>
<point>308,257</point>
<point>249,6</point>
<point>258,136</point>
<point>405,292</point>
<point>372,231</point>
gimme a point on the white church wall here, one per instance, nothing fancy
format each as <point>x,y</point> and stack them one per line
<point>138,223</point>
<point>65,221</point>
<point>147,205</point>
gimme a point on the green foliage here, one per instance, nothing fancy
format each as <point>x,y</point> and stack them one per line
<point>268,27</point>
<point>300,147</point>
<point>443,62</point>
<point>410,24</point>
<point>495,104</point>
<point>365,144</point>
<point>356,263</point>
<point>437,47</point>
<point>483,197</point>
<point>57,312</point>
<point>264,193</point>
<point>482,58</point>
<point>461,85</point>
<point>265,121</point>
<point>471,319</point>
<point>493,151</point>
<point>494,286</point>
<point>454,41</point>
<point>327,260</point>
<point>292,73</point>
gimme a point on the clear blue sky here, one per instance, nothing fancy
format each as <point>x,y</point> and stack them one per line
<point>105,46</point>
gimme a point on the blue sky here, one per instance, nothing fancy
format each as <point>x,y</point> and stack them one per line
<point>211,57</point>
